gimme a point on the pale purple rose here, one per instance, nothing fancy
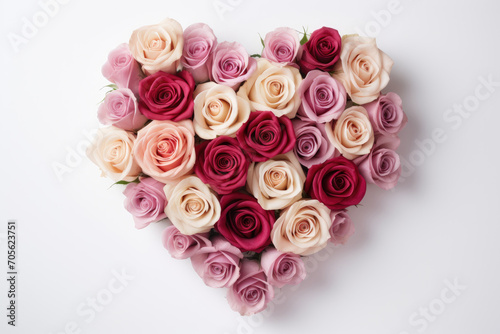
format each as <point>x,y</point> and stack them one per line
<point>181,246</point>
<point>230,64</point>
<point>282,268</point>
<point>382,165</point>
<point>218,265</point>
<point>386,114</point>
<point>146,201</point>
<point>281,45</point>
<point>122,69</point>
<point>312,146</point>
<point>119,109</point>
<point>342,227</point>
<point>323,97</point>
<point>251,293</point>
<point>199,41</point>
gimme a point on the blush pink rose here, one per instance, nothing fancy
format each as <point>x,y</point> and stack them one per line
<point>146,201</point>
<point>218,265</point>
<point>199,41</point>
<point>342,227</point>
<point>122,69</point>
<point>312,146</point>
<point>181,246</point>
<point>230,64</point>
<point>120,109</point>
<point>165,149</point>
<point>281,45</point>
<point>282,268</point>
<point>382,165</point>
<point>386,114</point>
<point>251,293</point>
<point>323,97</point>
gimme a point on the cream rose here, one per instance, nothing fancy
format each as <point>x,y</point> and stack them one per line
<point>276,183</point>
<point>192,206</point>
<point>111,151</point>
<point>273,87</point>
<point>303,228</point>
<point>352,134</point>
<point>158,47</point>
<point>218,111</point>
<point>363,68</point>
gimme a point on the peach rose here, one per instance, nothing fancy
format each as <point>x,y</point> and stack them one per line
<point>218,111</point>
<point>276,183</point>
<point>352,134</point>
<point>273,87</point>
<point>192,206</point>
<point>158,47</point>
<point>111,151</point>
<point>363,68</point>
<point>165,149</point>
<point>303,228</point>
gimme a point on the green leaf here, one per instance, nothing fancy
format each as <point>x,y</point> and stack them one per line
<point>112,86</point>
<point>255,55</point>
<point>304,38</point>
<point>262,41</point>
<point>125,182</point>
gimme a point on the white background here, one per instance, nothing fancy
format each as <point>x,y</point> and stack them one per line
<point>442,223</point>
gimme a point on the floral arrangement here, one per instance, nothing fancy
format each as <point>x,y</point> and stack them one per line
<point>254,160</point>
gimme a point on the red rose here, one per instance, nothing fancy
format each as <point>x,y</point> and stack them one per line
<point>264,135</point>
<point>336,183</point>
<point>167,96</point>
<point>321,51</point>
<point>222,164</point>
<point>244,223</point>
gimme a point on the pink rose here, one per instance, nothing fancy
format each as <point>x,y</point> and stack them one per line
<point>230,64</point>
<point>342,227</point>
<point>218,265</point>
<point>251,293</point>
<point>181,246</point>
<point>165,149</point>
<point>122,69</point>
<point>145,201</point>
<point>386,114</point>
<point>323,98</point>
<point>199,41</point>
<point>382,165</point>
<point>312,146</point>
<point>282,268</point>
<point>120,109</point>
<point>281,45</point>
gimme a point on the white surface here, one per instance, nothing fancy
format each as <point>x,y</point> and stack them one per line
<point>440,224</point>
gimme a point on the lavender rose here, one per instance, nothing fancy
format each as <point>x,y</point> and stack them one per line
<point>323,97</point>
<point>386,114</point>
<point>146,201</point>
<point>122,69</point>
<point>218,265</point>
<point>120,109</point>
<point>199,41</point>
<point>342,227</point>
<point>312,146</point>
<point>281,45</point>
<point>181,246</point>
<point>282,268</point>
<point>251,293</point>
<point>230,64</point>
<point>382,165</point>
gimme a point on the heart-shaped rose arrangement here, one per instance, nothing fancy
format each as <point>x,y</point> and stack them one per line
<point>253,159</point>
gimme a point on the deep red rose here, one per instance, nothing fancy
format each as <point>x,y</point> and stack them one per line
<point>265,135</point>
<point>222,164</point>
<point>336,183</point>
<point>321,52</point>
<point>167,96</point>
<point>244,223</point>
